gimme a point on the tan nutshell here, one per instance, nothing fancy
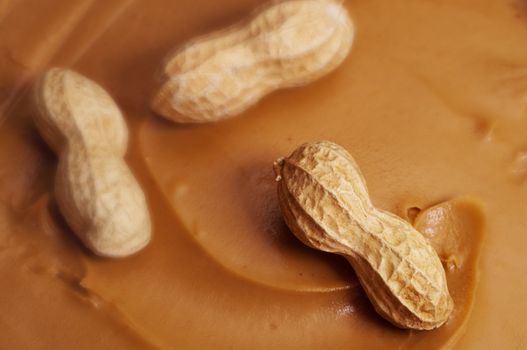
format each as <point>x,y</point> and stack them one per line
<point>326,204</point>
<point>95,190</point>
<point>286,44</point>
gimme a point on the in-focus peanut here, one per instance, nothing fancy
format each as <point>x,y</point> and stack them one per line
<point>326,204</point>
<point>289,43</point>
<point>95,190</point>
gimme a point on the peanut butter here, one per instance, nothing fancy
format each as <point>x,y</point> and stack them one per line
<point>431,102</point>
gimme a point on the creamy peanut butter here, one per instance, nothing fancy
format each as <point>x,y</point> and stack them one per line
<point>431,102</point>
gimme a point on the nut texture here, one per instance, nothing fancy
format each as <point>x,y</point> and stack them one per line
<point>286,44</point>
<point>326,204</point>
<point>95,190</point>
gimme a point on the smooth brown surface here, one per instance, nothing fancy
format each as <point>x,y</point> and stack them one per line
<point>431,103</point>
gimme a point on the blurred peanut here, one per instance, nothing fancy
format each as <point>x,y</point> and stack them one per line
<point>96,191</point>
<point>286,44</point>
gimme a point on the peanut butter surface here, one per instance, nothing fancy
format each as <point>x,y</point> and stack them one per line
<point>431,102</point>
